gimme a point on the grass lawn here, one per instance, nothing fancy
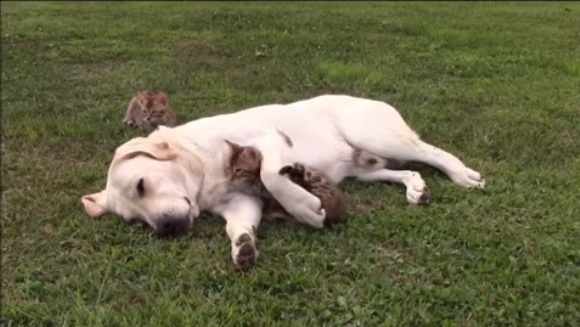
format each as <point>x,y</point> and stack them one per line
<point>497,84</point>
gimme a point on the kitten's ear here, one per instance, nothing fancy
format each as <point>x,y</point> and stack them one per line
<point>162,98</point>
<point>253,154</point>
<point>233,146</point>
<point>143,98</point>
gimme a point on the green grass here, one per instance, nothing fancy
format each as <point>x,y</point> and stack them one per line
<point>497,84</point>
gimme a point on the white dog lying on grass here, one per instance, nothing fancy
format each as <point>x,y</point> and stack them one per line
<point>169,177</point>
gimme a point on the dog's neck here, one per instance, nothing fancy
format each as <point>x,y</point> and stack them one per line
<point>213,158</point>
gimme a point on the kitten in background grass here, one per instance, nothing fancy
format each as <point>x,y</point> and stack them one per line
<point>148,110</point>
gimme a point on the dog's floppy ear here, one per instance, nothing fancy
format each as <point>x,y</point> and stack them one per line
<point>95,204</point>
<point>159,150</point>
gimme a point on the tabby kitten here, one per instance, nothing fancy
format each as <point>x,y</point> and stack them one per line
<point>159,112</point>
<point>243,169</point>
<point>244,174</point>
<point>312,180</point>
<point>148,110</point>
<point>135,113</point>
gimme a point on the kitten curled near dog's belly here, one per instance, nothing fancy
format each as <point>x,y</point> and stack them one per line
<point>331,196</point>
<point>244,174</point>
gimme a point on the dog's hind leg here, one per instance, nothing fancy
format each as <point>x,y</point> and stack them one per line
<point>457,171</point>
<point>419,151</point>
<point>379,129</point>
<point>417,192</point>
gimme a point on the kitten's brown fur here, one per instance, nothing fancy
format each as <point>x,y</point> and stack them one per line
<point>135,113</point>
<point>148,110</point>
<point>244,172</point>
<point>331,196</point>
<point>159,111</point>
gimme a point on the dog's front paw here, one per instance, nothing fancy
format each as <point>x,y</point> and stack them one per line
<point>310,211</point>
<point>300,204</point>
<point>244,252</point>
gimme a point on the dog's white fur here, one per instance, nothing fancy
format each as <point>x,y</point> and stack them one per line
<point>183,168</point>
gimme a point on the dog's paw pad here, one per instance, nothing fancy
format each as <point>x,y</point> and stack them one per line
<point>247,256</point>
<point>244,238</point>
<point>424,198</point>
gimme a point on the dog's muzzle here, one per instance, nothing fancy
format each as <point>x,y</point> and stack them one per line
<point>172,226</point>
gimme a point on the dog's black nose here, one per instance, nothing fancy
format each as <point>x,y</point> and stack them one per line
<point>170,226</point>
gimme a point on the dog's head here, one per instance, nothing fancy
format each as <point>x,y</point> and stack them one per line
<point>152,181</point>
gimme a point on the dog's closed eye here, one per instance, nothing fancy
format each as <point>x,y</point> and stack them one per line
<point>141,187</point>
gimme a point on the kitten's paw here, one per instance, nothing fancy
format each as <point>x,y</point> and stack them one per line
<point>130,122</point>
<point>299,169</point>
<point>286,171</point>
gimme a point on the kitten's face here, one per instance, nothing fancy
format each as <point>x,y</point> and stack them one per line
<point>154,106</point>
<point>244,163</point>
<point>155,113</point>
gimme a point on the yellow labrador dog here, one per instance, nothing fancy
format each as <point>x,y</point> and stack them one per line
<point>167,178</point>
